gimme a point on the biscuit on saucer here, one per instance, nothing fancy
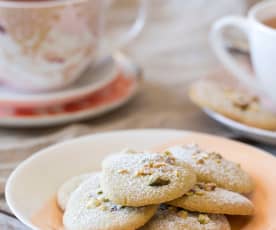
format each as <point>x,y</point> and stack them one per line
<point>233,103</point>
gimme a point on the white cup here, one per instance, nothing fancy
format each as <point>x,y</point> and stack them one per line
<point>262,48</point>
<point>46,45</point>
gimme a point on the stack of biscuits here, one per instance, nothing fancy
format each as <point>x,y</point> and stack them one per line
<point>182,188</point>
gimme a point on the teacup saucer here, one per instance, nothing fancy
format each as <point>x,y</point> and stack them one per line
<point>260,135</point>
<point>115,94</point>
<point>94,78</point>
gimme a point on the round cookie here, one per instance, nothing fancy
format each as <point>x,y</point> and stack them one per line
<point>212,167</point>
<point>168,218</point>
<point>66,189</point>
<point>234,103</point>
<point>206,197</point>
<point>139,179</point>
<point>89,209</point>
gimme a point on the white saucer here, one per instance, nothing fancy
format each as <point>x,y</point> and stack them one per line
<point>93,79</point>
<point>260,135</point>
<point>113,95</point>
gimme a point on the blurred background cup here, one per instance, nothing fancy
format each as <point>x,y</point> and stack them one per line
<point>262,47</point>
<point>46,45</point>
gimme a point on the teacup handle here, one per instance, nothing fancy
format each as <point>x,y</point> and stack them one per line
<point>134,30</point>
<point>218,44</point>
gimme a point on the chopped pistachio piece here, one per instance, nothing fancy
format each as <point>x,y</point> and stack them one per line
<point>103,208</point>
<point>205,155</point>
<point>104,199</point>
<point>123,171</point>
<point>215,155</point>
<point>99,192</point>
<point>206,186</point>
<point>93,203</point>
<point>159,165</point>
<point>183,214</point>
<point>200,161</point>
<point>167,153</point>
<point>243,105</point>
<point>203,219</point>
<point>190,193</point>
<point>149,165</point>
<point>130,151</point>
<point>177,174</point>
<point>158,181</point>
<point>143,172</point>
<point>199,192</point>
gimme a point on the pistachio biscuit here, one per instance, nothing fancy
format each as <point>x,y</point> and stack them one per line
<point>212,167</point>
<point>139,179</point>
<point>66,189</point>
<point>233,103</point>
<point>89,209</point>
<point>207,197</point>
<point>168,218</point>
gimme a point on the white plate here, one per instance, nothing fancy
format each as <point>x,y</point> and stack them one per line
<point>37,179</point>
<point>260,135</point>
<point>93,79</point>
<point>58,115</point>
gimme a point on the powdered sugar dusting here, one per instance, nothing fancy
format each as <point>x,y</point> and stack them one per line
<point>79,215</point>
<point>212,167</point>
<point>137,187</point>
<point>218,200</point>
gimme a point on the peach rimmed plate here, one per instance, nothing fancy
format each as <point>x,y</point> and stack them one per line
<point>113,95</point>
<point>31,188</point>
